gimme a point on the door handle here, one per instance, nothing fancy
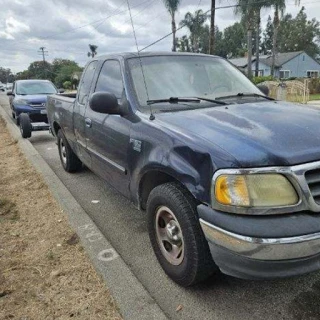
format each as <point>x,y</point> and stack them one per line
<point>88,122</point>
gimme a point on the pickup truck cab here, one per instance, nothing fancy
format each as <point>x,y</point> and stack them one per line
<point>229,178</point>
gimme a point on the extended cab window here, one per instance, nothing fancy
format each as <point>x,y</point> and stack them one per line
<point>110,78</point>
<point>85,85</point>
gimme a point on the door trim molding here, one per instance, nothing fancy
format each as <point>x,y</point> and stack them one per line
<point>109,161</point>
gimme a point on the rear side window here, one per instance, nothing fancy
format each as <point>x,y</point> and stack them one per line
<point>110,78</point>
<point>86,82</point>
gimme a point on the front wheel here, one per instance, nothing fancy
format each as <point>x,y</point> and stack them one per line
<point>69,159</point>
<point>25,125</point>
<point>176,235</point>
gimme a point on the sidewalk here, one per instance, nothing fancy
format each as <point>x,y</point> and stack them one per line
<point>133,300</point>
<point>314,102</point>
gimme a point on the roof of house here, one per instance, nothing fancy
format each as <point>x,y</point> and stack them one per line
<point>281,58</point>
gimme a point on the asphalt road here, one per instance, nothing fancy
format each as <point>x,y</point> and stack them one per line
<point>221,297</point>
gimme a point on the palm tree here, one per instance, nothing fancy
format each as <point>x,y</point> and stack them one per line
<point>247,9</point>
<point>195,23</point>
<point>172,7</point>
<point>213,12</point>
<point>257,10</point>
<point>279,6</point>
<point>93,50</point>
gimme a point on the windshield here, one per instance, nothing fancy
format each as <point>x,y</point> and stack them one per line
<point>36,88</point>
<point>187,76</point>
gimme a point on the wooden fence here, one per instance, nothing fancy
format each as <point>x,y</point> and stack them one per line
<point>293,91</point>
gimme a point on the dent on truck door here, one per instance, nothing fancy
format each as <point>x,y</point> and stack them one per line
<point>108,135</point>
<point>80,106</point>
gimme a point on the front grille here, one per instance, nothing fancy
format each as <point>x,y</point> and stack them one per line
<point>36,105</point>
<point>313,180</point>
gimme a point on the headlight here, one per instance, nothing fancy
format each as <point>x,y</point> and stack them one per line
<point>21,101</point>
<point>254,190</point>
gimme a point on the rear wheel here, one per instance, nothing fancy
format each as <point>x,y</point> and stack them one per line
<point>176,235</point>
<point>69,159</point>
<point>25,125</point>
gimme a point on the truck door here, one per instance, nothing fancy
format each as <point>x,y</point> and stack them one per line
<point>80,106</point>
<point>108,135</point>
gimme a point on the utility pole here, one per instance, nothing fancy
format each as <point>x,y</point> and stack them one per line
<point>212,35</point>
<point>44,53</point>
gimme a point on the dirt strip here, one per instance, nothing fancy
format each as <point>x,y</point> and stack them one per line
<point>44,271</point>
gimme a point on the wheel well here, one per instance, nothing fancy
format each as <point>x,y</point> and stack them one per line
<point>56,128</point>
<point>151,180</point>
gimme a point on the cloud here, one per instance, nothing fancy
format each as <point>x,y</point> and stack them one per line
<point>66,27</point>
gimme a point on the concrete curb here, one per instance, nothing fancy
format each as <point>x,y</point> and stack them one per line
<point>133,300</point>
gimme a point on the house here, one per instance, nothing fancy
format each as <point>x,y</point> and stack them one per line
<point>288,64</point>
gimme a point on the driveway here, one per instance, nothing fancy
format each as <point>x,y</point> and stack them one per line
<point>221,297</point>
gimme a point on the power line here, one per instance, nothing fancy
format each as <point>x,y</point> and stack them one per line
<point>205,13</point>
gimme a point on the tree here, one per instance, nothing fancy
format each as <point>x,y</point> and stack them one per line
<point>299,33</point>
<point>246,9</point>
<point>40,70</point>
<point>6,75</point>
<point>212,26</point>
<point>195,23</point>
<point>234,40</point>
<point>279,6</point>
<point>258,5</point>
<point>23,75</point>
<point>172,7</point>
<point>65,74</point>
<point>266,45</point>
<point>93,50</point>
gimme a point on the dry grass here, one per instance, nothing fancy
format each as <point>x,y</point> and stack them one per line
<point>44,272</point>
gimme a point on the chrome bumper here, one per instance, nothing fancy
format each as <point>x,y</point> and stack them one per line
<point>263,249</point>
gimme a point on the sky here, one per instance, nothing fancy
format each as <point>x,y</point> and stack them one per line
<point>66,28</point>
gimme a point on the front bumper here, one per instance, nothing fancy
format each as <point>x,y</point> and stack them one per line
<point>35,114</point>
<point>253,257</point>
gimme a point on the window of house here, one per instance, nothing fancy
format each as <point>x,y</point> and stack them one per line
<point>313,73</point>
<point>284,74</point>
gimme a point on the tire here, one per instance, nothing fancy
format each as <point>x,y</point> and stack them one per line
<point>25,125</point>
<point>69,160</point>
<point>170,206</point>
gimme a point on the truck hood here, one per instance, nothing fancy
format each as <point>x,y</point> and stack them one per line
<point>270,133</point>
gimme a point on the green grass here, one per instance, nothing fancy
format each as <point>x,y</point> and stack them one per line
<point>315,96</point>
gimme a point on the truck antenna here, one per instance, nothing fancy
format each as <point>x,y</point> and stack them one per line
<point>152,117</point>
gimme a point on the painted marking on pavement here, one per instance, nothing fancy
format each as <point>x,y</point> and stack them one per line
<point>107,255</point>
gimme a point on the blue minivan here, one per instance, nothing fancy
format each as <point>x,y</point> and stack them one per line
<point>28,104</point>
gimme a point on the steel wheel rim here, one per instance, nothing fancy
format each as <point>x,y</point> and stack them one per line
<point>63,152</point>
<point>169,235</point>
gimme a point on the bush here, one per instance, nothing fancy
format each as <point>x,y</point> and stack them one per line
<point>67,85</point>
<point>257,80</point>
<point>314,85</point>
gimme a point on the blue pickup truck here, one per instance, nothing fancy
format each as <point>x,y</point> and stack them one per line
<point>229,178</point>
<point>28,104</point>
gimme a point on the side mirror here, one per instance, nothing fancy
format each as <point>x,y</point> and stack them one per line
<point>61,90</point>
<point>104,102</point>
<point>264,89</point>
<point>9,93</point>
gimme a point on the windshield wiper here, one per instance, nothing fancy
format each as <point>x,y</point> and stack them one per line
<point>213,100</point>
<point>173,100</point>
<point>193,99</point>
<point>241,94</point>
